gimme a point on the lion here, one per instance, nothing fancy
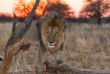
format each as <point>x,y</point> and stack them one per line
<point>51,34</point>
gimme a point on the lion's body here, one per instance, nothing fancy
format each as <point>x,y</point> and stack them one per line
<point>51,33</point>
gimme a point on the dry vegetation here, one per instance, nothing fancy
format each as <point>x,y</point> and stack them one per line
<point>86,46</point>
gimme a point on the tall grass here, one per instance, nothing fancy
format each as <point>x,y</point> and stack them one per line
<point>87,46</point>
<point>5,31</point>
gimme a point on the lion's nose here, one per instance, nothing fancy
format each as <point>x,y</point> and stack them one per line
<point>51,42</point>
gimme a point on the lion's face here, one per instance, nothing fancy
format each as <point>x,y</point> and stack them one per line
<point>53,37</point>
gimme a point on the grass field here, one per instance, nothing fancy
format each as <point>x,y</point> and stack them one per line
<point>87,46</point>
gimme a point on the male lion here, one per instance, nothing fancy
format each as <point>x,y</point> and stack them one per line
<point>51,33</point>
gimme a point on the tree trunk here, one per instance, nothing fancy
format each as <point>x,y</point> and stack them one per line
<point>99,12</point>
<point>14,43</point>
<point>99,19</point>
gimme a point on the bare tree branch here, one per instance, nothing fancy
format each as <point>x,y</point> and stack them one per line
<point>14,24</point>
<point>19,34</point>
<point>14,43</point>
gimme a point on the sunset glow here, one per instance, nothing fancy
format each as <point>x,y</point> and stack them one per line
<point>7,7</point>
<point>28,0</point>
<point>75,5</point>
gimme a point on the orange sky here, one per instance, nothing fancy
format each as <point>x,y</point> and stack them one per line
<point>7,5</point>
<point>75,4</point>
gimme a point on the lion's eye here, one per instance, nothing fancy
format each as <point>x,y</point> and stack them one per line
<point>56,34</point>
<point>47,33</point>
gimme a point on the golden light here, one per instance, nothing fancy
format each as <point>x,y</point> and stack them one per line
<point>76,5</point>
<point>28,0</point>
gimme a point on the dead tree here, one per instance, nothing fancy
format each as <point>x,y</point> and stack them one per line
<point>15,41</point>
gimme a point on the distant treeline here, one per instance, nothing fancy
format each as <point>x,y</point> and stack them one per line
<point>89,20</point>
<point>4,18</point>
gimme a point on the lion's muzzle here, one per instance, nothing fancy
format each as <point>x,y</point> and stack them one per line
<point>51,45</point>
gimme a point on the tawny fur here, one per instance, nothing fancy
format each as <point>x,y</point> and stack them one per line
<point>53,23</point>
<point>54,19</point>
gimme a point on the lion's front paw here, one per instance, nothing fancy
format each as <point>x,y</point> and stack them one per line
<point>28,69</point>
<point>18,69</point>
<point>39,70</point>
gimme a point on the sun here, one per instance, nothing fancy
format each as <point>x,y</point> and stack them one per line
<point>28,0</point>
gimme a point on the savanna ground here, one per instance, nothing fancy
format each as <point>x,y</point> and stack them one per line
<point>86,47</point>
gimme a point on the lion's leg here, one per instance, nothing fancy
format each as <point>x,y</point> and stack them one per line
<point>25,65</point>
<point>17,59</point>
<point>14,61</point>
<point>41,53</point>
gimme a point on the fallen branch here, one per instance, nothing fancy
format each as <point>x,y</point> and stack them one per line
<point>58,67</point>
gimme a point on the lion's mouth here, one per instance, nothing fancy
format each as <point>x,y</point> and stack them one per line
<point>51,46</point>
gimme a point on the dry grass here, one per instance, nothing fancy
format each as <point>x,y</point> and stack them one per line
<point>86,46</point>
<point>5,32</point>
